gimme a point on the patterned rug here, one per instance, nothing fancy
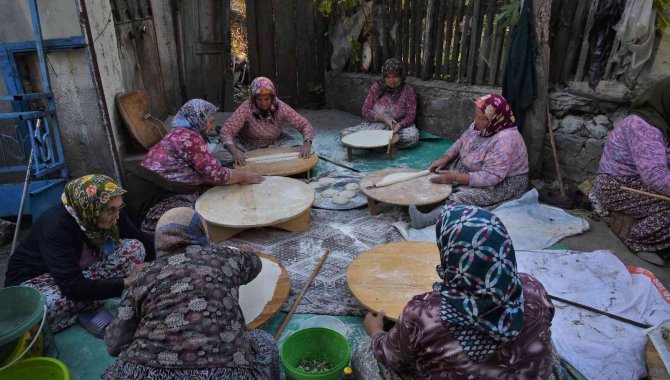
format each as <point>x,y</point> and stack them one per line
<point>346,234</point>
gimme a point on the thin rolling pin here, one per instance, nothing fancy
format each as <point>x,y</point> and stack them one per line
<point>659,196</point>
<point>593,309</point>
<point>316,271</point>
<point>339,164</point>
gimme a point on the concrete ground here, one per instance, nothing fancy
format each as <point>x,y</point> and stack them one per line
<point>598,237</point>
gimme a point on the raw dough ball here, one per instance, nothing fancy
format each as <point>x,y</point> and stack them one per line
<point>317,201</point>
<point>351,186</point>
<point>347,193</point>
<point>329,193</point>
<point>327,181</point>
<point>340,199</point>
<point>314,185</point>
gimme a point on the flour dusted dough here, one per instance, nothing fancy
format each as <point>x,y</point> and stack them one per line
<point>256,294</point>
<point>274,157</point>
<point>400,177</point>
<point>329,193</point>
<point>351,186</point>
<point>368,139</point>
<point>327,181</point>
<point>315,185</point>
<point>340,199</point>
<point>347,193</point>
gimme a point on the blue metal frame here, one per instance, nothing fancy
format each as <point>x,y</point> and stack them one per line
<point>48,157</point>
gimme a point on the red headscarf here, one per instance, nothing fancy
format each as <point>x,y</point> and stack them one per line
<point>498,112</point>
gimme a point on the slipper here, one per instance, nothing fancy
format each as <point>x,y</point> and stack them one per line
<point>651,257</point>
<point>96,322</point>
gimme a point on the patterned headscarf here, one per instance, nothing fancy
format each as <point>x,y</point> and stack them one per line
<point>499,113</point>
<point>262,86</point>
<point>84,198</point>
<point>481,293</point>
<point>177,229</point>
<point>194,115</point>
<point>653,106</point>
<point>392,66</point>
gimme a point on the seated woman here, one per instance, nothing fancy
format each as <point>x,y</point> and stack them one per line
<point>257,123</point>
<point>637,155</point>
<point>174,170</point>
<point>81,252</point>
<point>488,163</point>
<point>181,318</point>
<point>483,321</point>
<point>390,105</point>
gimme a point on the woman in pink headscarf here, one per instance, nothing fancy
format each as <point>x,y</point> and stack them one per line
<point>488,164</point>
<point>257,123</point>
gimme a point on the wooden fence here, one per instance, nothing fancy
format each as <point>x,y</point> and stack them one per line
<point>461,41</point>
<point>454,40</point>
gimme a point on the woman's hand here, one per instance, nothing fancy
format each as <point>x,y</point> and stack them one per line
<point>438,164</point>
<point>396,127</point>
<point>238,157</point>
<point>248,178</point>
<point>449,177</point>
<point>374,323</point>
<point>133,274</point>
<point>306,149</point>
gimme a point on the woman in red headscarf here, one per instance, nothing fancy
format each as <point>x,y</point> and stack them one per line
<point>257,123</point>
<point>487,165</point>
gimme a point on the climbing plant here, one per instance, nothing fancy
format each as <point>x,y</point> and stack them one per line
<point>328,7</point>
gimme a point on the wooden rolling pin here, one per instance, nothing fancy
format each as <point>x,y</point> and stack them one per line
<point>385,182</point>
<point>658,196</point>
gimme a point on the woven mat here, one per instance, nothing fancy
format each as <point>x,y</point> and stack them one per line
<point>346,234</point>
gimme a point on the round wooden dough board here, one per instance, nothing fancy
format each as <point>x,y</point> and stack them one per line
<point>273,201</point>
<point>655,368</point>
<point>369,139</point>
<point>278,298</point>
<point>417,191</point>
<point>388,276</point>
<point>279,168</point>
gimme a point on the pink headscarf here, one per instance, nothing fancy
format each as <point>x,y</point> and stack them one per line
<point>263,86</point>
<point>498,112</point>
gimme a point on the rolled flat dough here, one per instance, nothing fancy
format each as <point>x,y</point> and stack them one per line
<point>351,186</point>
<point>315,185</point>
<point>329,193</point>
<point>347,193</point>
<point>368,139</point>
<point>400,177</point>
<point>340,199</point>
<point>275,157</point>
<point>256,294</point>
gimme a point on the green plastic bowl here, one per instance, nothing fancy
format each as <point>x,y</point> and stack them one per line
<point>36,368</point>
<point>315,343</point>
<point>26,311</point>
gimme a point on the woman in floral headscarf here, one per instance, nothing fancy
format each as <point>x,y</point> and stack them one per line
<point>257,123</point>
<point>483,321</point>
<point>80,252</point>
<point>488,164</point>
<point>181,318</point>
<point>176,168</point>
<point>390,105</point>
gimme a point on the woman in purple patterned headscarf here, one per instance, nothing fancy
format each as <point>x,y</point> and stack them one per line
<point>487,165</point>
<point>484,320</point>
<point>390,105</point>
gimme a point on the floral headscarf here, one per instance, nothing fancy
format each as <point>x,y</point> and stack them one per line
<point>499,113</point>
<point>262,86</point>
<point>84,198</point>
<point>481,293</point>
<point>194,115</point>
<point>177,229</point>
<point>392,66</point>
<point>653,106</point>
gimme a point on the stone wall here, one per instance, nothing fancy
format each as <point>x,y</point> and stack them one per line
<point>582,117</point>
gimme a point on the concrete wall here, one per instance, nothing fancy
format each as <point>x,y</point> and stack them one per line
<point>86,143</point>
<point>444,109</point>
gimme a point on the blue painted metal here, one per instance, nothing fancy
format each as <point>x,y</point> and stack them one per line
<point>43,139</point>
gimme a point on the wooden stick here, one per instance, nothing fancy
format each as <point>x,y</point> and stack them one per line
<point>339,164</point>
<point>553,151</point>
<point>613,316</point>
<point>663,197</point>
<point>316,271</point>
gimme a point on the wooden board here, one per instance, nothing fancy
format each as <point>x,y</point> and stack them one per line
<point>378,135</point>
<point>278,168</point>
<point>133,106</point>
<point>278,298</point>
<point>418,191</point>
<point>388,276</point>
<point>655,368</point>
<point>275,200</point>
